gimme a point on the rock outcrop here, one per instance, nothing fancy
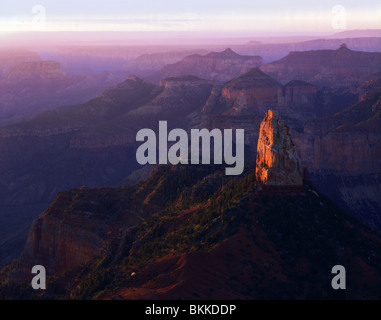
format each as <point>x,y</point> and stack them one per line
<point>341,67</point>
<point>148,63</point>
<point>253,92</point>
<point>277,161</point>
<point>220,66</point>
<point>348,141</point>
<point>75,227</point>
<point>299,92</point>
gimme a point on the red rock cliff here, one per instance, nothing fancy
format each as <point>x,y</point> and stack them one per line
<point>76,226</point>
<point>277,161</point>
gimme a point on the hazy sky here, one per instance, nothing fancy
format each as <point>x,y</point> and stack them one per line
<point>189,15</point>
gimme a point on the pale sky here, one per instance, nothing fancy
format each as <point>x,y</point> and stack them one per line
<point>189,15</point>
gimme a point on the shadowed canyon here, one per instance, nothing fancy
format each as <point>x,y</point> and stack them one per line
<point>74,199</point>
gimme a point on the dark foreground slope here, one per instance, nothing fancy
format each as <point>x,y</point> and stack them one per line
<point>191,233</point>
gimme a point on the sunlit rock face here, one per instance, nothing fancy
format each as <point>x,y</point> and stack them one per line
<point>277,161</point>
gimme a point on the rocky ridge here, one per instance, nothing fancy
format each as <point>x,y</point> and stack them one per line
<point>220,66</point>
<point>341,67</point>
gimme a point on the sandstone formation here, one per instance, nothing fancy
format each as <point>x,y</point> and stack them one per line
<point>253,91</point>
<point>277,161</point>
<point>348,141</point>
<point>75,227</point>
<point>299,92</point>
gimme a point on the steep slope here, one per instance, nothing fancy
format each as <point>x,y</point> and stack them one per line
<point>229,241</point>
<point>80,222</point>
<point>178,97</point>
<point>343,154</point>
<point>253,90</point>
<point>352,136</point>
<point>60,239</point>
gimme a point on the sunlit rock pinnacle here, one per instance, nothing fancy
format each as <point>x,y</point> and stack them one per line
<point>277,161</point>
